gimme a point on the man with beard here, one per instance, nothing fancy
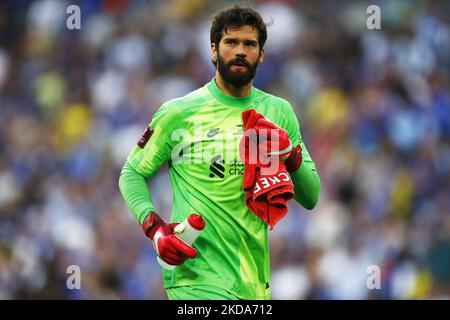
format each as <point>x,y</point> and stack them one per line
<point>198,135</point>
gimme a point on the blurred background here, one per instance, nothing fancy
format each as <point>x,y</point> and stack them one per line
<point>374,109</point>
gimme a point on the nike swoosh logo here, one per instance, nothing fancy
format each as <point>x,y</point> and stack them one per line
<point>155,241</point>
<point>213,132</point>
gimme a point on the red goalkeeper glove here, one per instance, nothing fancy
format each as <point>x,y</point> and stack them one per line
<point>167,246</point>
<point>279,144</point>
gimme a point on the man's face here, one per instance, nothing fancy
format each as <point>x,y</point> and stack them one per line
<point>238,55</point>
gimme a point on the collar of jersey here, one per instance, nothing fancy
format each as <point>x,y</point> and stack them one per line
<point>224,98</point>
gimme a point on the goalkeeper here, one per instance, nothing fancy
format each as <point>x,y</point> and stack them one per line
<point>198,136</point>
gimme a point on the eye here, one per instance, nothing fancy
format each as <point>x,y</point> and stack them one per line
<point>230,41</point>
<point>251,43</point>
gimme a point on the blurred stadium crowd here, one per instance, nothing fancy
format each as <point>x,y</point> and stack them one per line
<point>374,108</point>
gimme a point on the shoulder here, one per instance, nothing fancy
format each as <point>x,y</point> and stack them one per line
<point>183,104</point>
<point>280,108</point>
<point>178,108</point>
<point>267,98</point>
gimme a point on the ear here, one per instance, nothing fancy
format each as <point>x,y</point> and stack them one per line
<point>261,56</point>
<point>213,52</point>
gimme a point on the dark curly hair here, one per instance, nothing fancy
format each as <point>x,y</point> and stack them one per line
<point>237,16</point>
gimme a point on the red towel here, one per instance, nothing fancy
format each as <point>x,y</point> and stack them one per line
<point>266,191</point>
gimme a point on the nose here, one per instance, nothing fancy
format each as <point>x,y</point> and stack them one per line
<point>241,50</point>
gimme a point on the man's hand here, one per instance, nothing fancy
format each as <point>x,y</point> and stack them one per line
<point>279,144</point>
<point>167,246</point>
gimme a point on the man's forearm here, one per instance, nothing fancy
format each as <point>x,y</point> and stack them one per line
<point>135,192</point>
<point>307,185</point>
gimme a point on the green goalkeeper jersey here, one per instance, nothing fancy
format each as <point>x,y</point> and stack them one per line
<point>198,136</point>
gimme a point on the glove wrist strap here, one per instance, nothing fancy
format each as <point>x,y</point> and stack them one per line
<point>294,160</point>
<point>151,224</point>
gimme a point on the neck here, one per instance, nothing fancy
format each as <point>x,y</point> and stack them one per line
<point>231,90</point>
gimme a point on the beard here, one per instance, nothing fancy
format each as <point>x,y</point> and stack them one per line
<point>236,78</point>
